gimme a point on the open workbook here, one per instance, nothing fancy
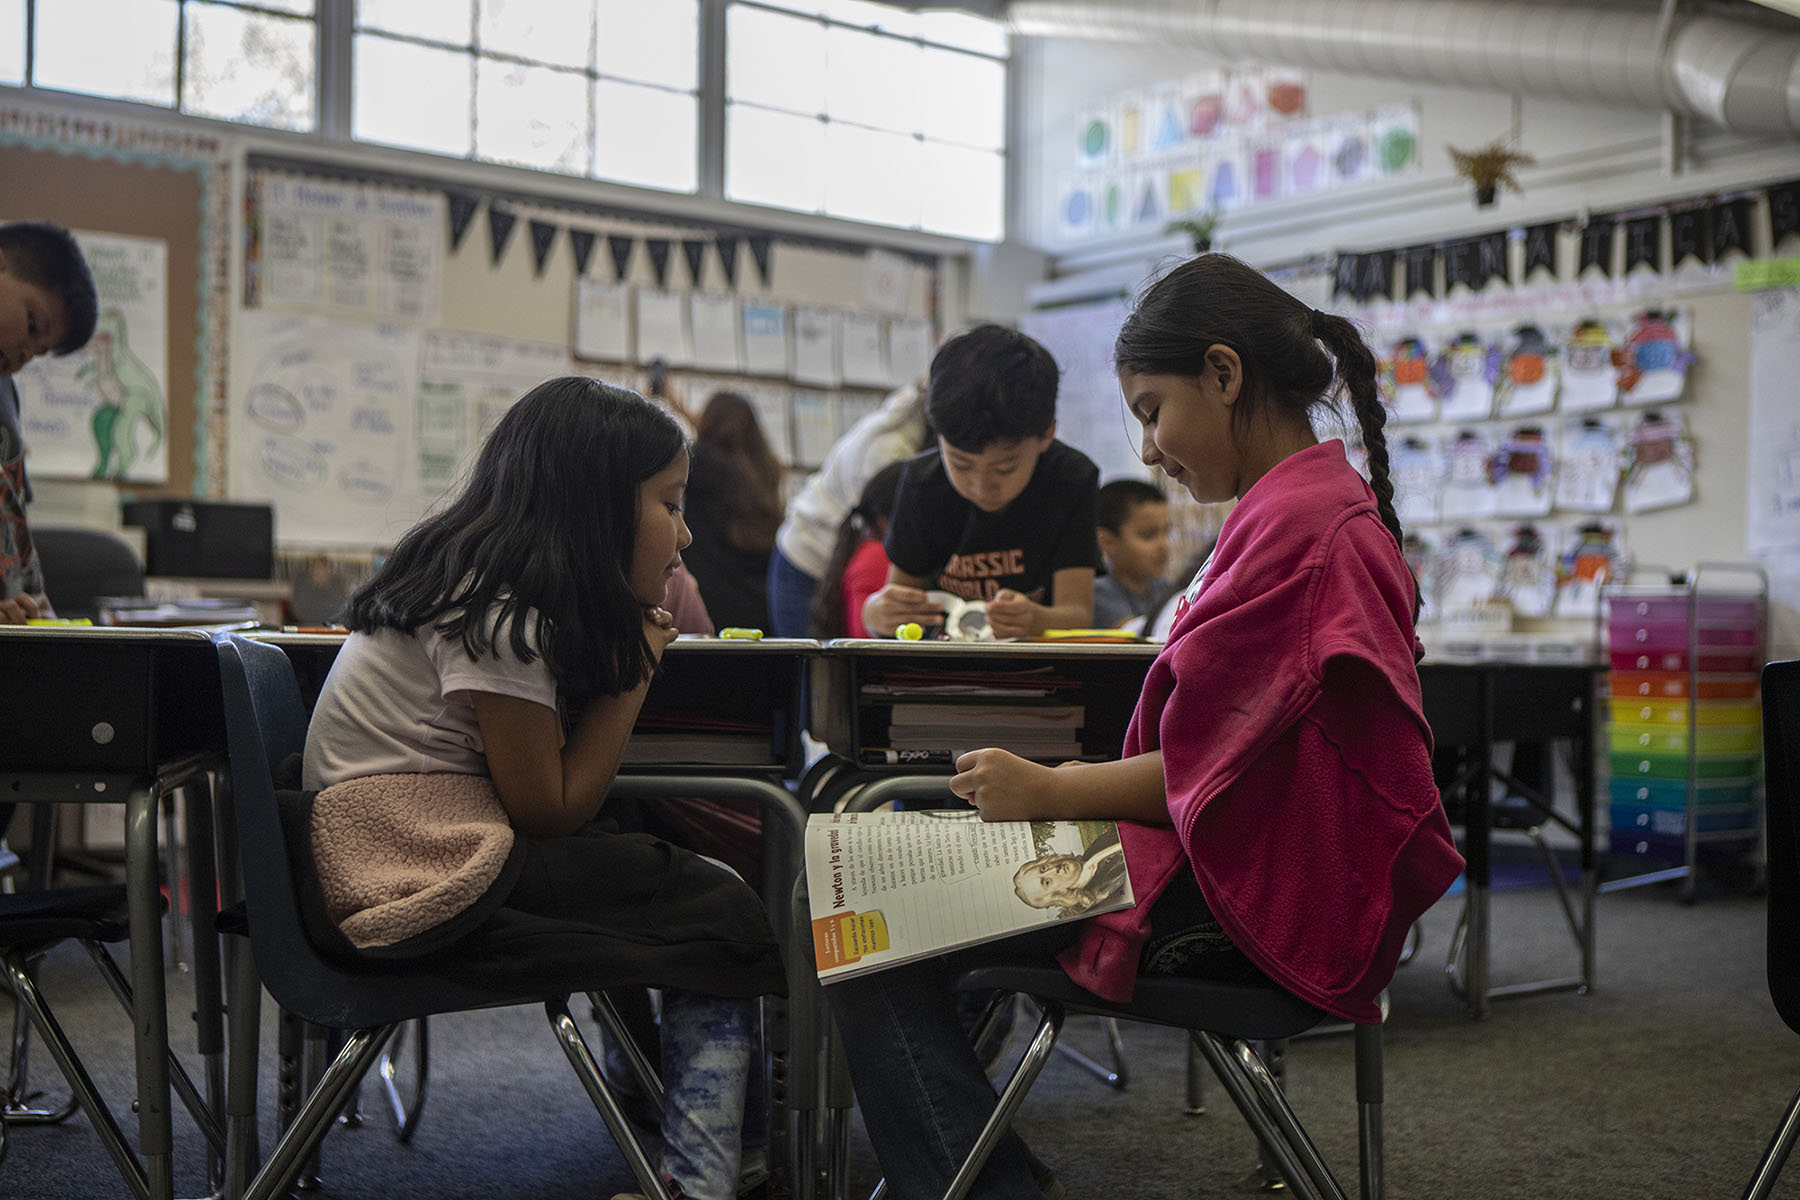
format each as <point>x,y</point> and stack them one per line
<point>890,887</point>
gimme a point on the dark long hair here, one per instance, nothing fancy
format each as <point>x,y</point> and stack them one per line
<point>1294,357</point>
<point>546,520</point>
<point>826,618</point>
<point>728,426</point>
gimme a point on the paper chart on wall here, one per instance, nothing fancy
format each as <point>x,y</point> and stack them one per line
<point>765,339</point>
<point>602,320</point>
<point>714,320</point>
<point>1773,530</point>
<point>865,360</point>
<point>467,382</point>
<point>814,428</point>
<point>102,412</point>
<point>771,404</point>
<point>816,333</point>
<point>349,249</point>
<point>662,327</point>
<point>910,347</point>
<point>321,425</point>
<point>1090,412</point>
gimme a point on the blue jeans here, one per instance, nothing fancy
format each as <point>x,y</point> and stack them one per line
<point>707,1043</point>
<point>791,593</point>
<point>923,1093</point>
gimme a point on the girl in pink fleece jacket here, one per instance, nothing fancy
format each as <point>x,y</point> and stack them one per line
<point>1274,796</point>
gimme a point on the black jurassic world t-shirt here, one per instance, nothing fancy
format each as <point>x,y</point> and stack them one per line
<point>940,537</point>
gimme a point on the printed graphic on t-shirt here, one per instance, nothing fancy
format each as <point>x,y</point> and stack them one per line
<point>978,576</point>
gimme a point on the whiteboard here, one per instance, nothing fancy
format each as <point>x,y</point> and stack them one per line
<point>1090,413</point>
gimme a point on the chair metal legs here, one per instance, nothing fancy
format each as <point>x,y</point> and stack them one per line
<point>1769,1169</point>
<point>588,1071</point>
<point>406,1110</point>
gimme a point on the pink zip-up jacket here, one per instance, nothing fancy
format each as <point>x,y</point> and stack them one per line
<point>1296,756</point>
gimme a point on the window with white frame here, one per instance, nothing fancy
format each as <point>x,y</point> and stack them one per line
<point>867,112</point>
<point>252,62</point>
<point>601,88</point>
<point>846,108</point>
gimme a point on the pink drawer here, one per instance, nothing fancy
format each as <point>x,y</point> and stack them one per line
<point>1673,635</point>
<point>1626,609</point>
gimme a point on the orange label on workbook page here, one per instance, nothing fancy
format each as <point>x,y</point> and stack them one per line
<point>844,938</point>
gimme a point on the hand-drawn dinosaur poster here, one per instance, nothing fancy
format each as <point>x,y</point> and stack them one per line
<point>102,412</point>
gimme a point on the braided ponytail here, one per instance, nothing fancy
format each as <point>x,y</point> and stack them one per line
<point>1356,370</point>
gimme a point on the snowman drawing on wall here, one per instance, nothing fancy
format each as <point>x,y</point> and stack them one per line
<point>1408,370</point>
<point>1463,376</point>
<point>1654,361</point>
<point>1590,379</point>
<point>1527,383</point>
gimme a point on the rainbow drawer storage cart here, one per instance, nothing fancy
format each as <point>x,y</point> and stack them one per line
<point>1684,724</point>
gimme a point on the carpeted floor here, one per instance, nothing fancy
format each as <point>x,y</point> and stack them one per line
<point>1666,1081</point>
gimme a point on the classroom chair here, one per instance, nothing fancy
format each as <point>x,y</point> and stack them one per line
<point>82,566</point>
<point>1222,1020</point>
<point>31,923</point>
<point>1781,785</point>
<point>265,724</point>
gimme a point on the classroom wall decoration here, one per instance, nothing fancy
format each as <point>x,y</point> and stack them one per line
<point>355,430</point>
<point>103,411</point>
<point>1220,140</point>
<point>345,249</point>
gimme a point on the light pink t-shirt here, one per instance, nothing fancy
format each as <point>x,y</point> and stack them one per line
<point>398,703</point>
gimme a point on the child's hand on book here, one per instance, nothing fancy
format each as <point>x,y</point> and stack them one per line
<point>1002,785</point>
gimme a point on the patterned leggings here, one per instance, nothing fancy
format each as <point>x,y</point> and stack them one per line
<point>707,1042</point>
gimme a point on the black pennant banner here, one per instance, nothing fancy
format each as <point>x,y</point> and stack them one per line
<point>581,241</point>
<point>1540,248</point>
<point>462,214</point>
<point>728,248</point>
<point>659,259</point>
<point>543,236</point>
<point>1643,243</point>
<point>1689,237</point>
<point>694,250</point>
<point>1475,262</point>
<point>500,227</point>
<point>761,247</point>
<point>1421,270</point>
<point>1784,210</point>
<point>1731,227</point>
<point>1597,244</point>
<point>620,248</point>
<point>1365,276</point>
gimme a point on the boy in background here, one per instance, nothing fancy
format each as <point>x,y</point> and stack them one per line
<point>47,305</point>
<point>999,510</point>
<point>1134,541</point>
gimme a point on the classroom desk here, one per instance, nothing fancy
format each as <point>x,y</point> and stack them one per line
<point>1476,705</point>
<point>113,715</point>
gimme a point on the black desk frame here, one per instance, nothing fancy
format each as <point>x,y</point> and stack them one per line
<point>1475,706</point>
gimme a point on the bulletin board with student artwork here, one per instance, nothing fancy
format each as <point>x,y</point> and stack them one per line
<point>1520,442</point>
<point>102,412</point>
<point>132,406</point>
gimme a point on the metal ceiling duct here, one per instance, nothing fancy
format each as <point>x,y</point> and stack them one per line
<point>1742,74</point>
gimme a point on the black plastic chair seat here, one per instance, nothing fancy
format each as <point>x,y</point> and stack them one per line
<point>95,914</point>
<point>1233,1010</point>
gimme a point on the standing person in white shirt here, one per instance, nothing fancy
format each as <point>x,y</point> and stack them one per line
<point>895,431</point>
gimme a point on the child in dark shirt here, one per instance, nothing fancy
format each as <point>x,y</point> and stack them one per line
<point>999,511</point>
<point>1134,540</point>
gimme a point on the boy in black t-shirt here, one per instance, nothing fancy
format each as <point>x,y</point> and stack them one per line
<point>1000,510</point>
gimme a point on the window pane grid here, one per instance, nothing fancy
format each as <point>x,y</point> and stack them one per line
<point>825,119</point>
<point>962,33</point>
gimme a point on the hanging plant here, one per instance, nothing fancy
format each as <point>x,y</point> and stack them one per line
<point>1199,229</point>
<point>1490,167</point>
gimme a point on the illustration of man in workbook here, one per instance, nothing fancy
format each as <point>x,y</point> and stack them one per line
<point>1073,883</point>
<point>890,887</point>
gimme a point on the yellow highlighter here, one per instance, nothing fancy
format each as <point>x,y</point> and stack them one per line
<point>741,634</point>
<point>58,621</point>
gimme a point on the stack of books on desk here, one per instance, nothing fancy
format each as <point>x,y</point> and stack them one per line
<point>1030,730</point>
